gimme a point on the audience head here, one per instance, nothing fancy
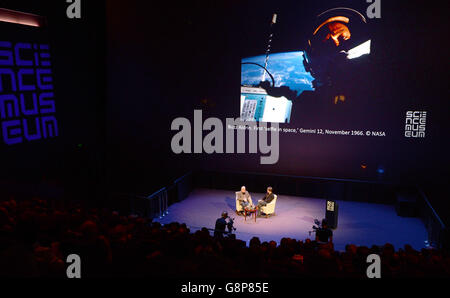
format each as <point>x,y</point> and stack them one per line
<point>255,242</point>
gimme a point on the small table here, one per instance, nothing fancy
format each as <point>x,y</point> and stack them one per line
<point>248,210</point>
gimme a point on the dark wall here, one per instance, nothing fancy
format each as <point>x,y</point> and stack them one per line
<point>75,158</point>
<point>166,60</point>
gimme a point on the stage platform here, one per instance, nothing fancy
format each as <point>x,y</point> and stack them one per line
<point>359,223</point>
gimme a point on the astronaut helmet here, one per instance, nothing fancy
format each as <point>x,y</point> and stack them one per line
<point>339,45</point>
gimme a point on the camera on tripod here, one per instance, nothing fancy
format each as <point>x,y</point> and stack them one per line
<point>230,225</point>
<point>315,227</point>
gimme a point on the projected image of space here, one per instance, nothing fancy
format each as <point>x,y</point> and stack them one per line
<point>287,70</point>
<point>337,50</point>
<point>353,96</point>
<point>285,73</point>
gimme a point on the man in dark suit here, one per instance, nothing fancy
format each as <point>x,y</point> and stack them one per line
<point>266,199</point>
<point>324,235</point>
<point>220,226</point>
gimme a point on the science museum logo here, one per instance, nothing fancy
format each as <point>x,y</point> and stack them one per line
<point>415,124</point>
<point>27,106</point>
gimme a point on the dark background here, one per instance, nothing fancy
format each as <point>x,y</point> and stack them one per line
<point>126,69</point>
<point>164,61</point>
<point>73,161</point>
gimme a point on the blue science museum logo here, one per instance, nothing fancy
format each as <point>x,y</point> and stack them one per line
<point>27,106</point>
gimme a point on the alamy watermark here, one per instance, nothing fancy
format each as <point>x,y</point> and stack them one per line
<point>214,141</point>
<point>374,269</point>
<point>74,269</point>
<point>73,11</point>
<point>374,9</point>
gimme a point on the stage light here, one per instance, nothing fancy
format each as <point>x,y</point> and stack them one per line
<point>338,98</point>
<point>380,170</point>
<point>363,166</point>
<point>21,18</point>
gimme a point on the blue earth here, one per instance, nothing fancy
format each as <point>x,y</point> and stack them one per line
<point>286,68</point>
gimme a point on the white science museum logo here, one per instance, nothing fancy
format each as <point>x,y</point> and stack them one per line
<point>415,124</point>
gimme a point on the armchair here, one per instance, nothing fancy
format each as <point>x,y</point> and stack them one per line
<point>269,209</point>
<point>238,205</point>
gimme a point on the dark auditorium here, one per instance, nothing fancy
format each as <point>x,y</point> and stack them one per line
<point>127,152</point>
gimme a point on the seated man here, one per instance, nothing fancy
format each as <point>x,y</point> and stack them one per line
<point>244,197</point>
<point>266,199</point>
